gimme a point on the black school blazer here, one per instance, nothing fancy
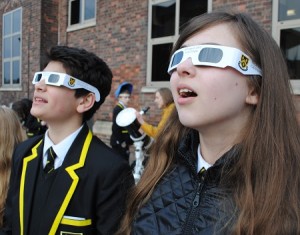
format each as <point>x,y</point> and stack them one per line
<point>87,196</point>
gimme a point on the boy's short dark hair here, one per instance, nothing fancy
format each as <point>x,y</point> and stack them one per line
<point>87,67</point>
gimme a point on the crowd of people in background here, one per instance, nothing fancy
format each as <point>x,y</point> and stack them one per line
<point>225,157</point>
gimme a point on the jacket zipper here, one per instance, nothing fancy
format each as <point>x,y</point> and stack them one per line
<point>192,214</point>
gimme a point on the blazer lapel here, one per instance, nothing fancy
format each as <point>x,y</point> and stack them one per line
<point>29,173</point>
<point>66,181</point>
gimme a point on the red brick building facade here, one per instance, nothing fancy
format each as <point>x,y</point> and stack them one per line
<point>119,31</point>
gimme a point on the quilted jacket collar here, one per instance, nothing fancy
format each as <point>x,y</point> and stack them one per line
<point>187,152</point>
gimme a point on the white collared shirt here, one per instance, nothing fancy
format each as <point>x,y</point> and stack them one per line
<point>201,161</point>
<point>122,104</point>
<point>60,149</point>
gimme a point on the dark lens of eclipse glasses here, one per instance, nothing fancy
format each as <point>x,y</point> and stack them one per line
<point>177,58</point>
<point>53,78</point>
<point>210,55</point>
<point>38,77</point>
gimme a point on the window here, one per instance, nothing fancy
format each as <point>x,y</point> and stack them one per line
<point>82,13</point>
<point>165,19</point>
<point>286,31</point>
<point>11,48</point>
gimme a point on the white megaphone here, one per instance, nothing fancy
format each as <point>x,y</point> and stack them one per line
<point>127,119</point>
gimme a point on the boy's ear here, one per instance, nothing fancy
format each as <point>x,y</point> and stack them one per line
<point>86,102</point>
<point>252,97</point>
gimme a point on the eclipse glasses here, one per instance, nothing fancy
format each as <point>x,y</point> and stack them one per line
<point>62,79</point>
<point>215,56</point>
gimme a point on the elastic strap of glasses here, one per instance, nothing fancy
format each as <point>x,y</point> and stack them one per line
<point>86,86</point>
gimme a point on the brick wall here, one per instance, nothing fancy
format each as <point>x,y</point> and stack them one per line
<point>260,10</point>
<point>39,31</point>
<point>119,37</point>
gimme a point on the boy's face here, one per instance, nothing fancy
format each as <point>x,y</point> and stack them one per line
<point>52,103</point>
<point>124,98</point>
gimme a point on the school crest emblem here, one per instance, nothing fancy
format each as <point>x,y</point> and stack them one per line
<point>71,82</point>
<point>243,63</point>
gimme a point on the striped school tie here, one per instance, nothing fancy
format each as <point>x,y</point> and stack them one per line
<point>50,161</point>
<point>201,173</point>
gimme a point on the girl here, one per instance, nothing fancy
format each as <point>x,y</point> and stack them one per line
<point>227,161</point>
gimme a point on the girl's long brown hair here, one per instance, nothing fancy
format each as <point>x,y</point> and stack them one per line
<point>11,133</point>
<point>266,175</point>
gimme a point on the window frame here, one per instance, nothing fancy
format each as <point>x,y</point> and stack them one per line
<point>151,86</point>
<point>277,26</point>
<point>12,59</point>
<point>82,23</point>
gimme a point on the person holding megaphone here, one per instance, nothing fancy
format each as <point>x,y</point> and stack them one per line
<point>164,101</point>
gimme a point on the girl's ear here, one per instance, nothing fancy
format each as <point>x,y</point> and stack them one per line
<point>86,102</point>
<point>252,97</point>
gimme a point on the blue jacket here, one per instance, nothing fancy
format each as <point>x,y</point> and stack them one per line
<point>186,204</point>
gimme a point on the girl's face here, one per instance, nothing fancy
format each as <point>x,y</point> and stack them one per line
<point>208,96</point>
<point>159,100</point>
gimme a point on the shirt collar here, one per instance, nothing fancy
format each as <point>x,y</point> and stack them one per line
<point>201,161</point>
<point>122,104</point>
<point>62,147</point>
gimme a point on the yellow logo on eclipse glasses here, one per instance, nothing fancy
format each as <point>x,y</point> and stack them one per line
<point>71,82</point>
<point>243,63</point>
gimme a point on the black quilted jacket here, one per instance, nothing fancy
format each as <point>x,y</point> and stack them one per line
<point>184,203</point>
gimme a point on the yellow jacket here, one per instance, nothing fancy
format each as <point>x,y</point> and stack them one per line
<point>153,130</point>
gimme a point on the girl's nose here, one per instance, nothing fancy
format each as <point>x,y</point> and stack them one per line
<point>186,68</point>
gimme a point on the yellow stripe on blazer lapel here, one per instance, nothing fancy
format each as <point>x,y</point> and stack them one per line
<point>26,160</point>
<point>73,175</point>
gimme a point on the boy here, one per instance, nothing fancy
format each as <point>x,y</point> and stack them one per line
<point>84,190</point>
<point>120,139</point>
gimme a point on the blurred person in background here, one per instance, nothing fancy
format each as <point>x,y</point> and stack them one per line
<point>11,134</point>
<point>164,101</point>
<point>120,139</point>
<point>32,125</point>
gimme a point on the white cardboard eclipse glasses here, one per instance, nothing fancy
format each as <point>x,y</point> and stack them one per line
<point>215,56</point>
<point>62,79</point>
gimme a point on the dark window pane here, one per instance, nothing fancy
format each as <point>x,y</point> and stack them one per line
<point>89,9</point>
<point>288,10</point>
<point>16,21</point>
<point>190,9</point>
<point>163,19</point>
<point>290,45</point>
<point>7,24</point>
<point>6,73</point>
<point>75,12</point>
<point>7,47</point>
<point>160,62</point>
<point>16,72</point>
<point>16,47</point>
